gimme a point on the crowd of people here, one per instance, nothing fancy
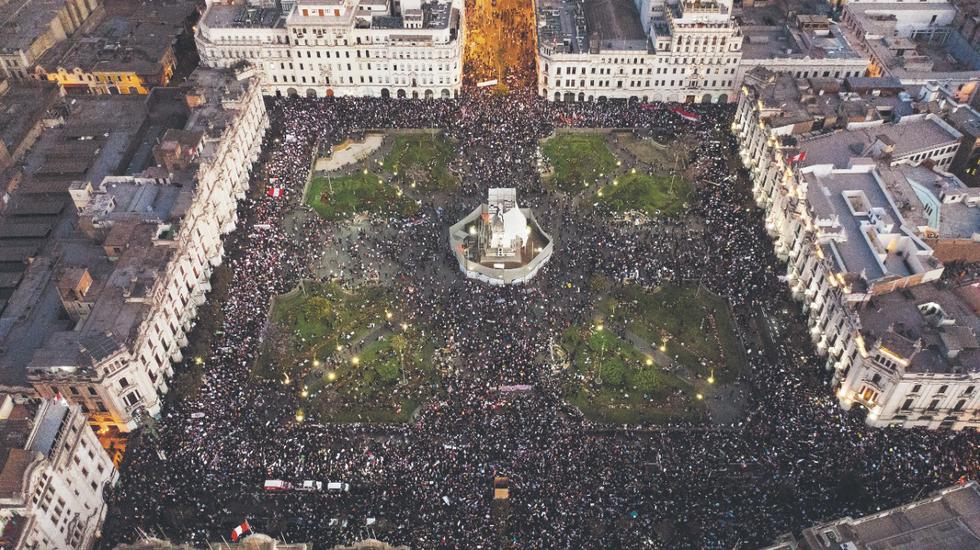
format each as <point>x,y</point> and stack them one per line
<point>794,459</point>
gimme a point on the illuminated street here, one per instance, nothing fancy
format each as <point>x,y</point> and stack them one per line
<point>500,42</point>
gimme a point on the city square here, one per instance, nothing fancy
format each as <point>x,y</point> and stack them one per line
<point>474,274</point>
<point>760,449</point>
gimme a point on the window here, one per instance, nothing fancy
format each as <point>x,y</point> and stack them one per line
<point>942,389</point>
<point>916,388</point>
<point>907,405</point>
<point>132,398</point>
<point>934,405</point>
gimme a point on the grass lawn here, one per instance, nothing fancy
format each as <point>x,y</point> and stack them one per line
<point>652,195</point>
<point>336,348</point>
<point>697,327</point>
<point>344,196</point>
<point>422,159</point>
<point>613,382</point>
<point>310,322</point>
<point>578,159</point>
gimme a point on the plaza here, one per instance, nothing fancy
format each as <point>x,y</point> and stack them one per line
<point>727,396</point>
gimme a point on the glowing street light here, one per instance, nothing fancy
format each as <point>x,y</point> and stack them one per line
<point>198,361</point>
<point>305,392</point>
<point>699,396</point>
<point>711,377</point>
<point>300,416</point>
<point>355,360</point>
<point>649,361</point>
<point>331,376</point>
<point>316,362</point>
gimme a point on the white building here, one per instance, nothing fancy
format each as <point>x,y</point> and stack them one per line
<point>898,344</point>
<point>153,245</point>
<point>594,51</point>
<point>321,48</point>
<point>914,42</point>
<point>52,478</point>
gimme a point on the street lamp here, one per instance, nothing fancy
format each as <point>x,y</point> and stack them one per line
<point>711,377</point>
<point>355,360</point>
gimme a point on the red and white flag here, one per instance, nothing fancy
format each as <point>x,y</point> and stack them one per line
<point>798,157</point>
<point>274,192</point>
<point>240,530</point>
<point>686,115</point>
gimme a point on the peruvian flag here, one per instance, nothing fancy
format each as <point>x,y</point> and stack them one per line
<point>686,115</point>
<point>798,157</point>
<point>274,192</point>
<point>240,530</point>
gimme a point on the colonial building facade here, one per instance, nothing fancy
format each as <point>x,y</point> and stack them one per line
<point>684,51</point>
<point>55,474</point>
<point>899,343</point>
<point>320,48</point>
<point>133,320</point>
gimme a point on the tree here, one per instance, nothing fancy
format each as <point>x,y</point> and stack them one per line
<point>613,371</point>
<point>319,309</point>
<point>388,370</point>
<point>399,343</point>
<point>645,379</point>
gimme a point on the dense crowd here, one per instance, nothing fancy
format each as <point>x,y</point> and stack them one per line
<point>795,458</point>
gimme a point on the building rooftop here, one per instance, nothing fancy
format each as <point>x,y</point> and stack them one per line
<point>948,519</point>
<point>131,38</point>
<point>911,134</point>
<point>21,106</point>
<point>617,22</point>
<point>782,41</point>
<point>242,16</point>
<point>23,21</point>
<point>570,25</point>
<point>938,327</point>
<point>923,196</point>
<point>861,227</point>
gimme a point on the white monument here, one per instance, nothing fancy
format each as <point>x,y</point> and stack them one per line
<point>499,242</point>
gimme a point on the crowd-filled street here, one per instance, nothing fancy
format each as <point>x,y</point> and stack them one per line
<point>796,458</point>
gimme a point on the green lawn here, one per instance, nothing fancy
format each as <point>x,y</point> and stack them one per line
<point>652,195</point>
<point>310,322</point>
<point>618,384</point>
<point>338,350</point>
<point>695,327</point>
<point>342,197</point>
<point>578,159</point>
<point>422,159</point>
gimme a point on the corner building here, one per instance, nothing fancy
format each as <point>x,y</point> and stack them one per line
<point>662,51</point>
<point>324,48</point>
